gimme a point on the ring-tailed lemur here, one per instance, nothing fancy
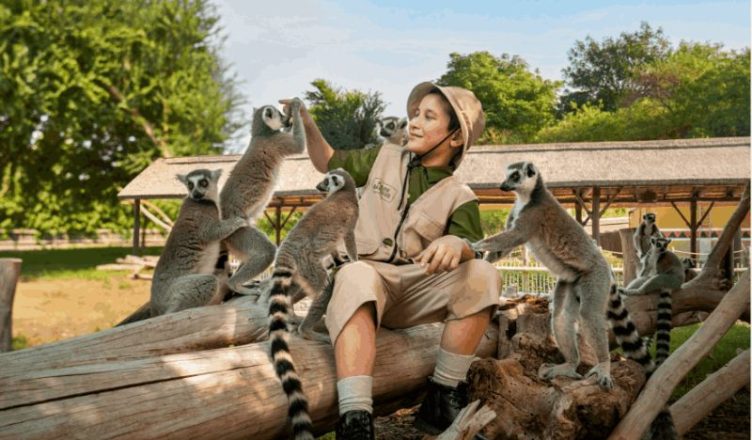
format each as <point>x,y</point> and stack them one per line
<point>643,233</point>
<point>663,272</point>
<point>391,129</point>
<point>585,289</point>
<point>184,276</point>
<point>299,266</point>
<point>251,183</point>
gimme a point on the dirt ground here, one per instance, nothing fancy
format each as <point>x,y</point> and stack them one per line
<point>49,310</point>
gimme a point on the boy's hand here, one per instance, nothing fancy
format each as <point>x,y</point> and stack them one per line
<point>293,104</point>
<point>442,255</point>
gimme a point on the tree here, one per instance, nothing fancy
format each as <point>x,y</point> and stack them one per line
<point>346,118</point>
<point>603,73</point>
<point>94,91</point>
<point>517,102</point>
<point>704,89</point>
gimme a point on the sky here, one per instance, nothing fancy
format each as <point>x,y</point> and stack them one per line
<point>276,49</point>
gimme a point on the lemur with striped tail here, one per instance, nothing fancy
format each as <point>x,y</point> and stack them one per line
<point>585,290</point>
<point>299,267</point>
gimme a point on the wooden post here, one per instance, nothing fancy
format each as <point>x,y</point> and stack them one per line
<point>136,225</point>
<point>10,269</point>
<point>278,224</point>
<point>595,211</point>
<point>629,254</point>
<point>693,228</point>
<point>578,211</point>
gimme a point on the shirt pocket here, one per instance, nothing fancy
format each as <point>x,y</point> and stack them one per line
<point>419,233</point>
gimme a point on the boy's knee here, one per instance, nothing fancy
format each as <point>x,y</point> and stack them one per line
<point>481,271</point>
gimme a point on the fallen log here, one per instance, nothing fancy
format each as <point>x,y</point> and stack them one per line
<point>240,321</point>
<point>714,390</point>
<point>663,381</point>
<point>231,393</point>
<point>528,407</point>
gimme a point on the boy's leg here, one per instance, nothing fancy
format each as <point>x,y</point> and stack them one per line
<point>351,319</point>
<point>465,297</point>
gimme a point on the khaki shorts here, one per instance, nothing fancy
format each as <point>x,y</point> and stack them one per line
<point>405,295</point>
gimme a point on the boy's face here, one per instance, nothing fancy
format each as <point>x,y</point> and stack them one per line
<point>429,125</point>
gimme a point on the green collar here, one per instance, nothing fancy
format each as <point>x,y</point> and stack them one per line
<point>435,174</point>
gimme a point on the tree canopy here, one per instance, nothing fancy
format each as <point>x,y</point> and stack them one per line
<point>95,90</point>
<point>602,73</point>
<point>516,101</point>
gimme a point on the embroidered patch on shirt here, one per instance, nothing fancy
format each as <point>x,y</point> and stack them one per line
<point>385,191</point>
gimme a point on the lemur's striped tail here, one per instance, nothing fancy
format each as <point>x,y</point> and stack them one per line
<point>634,348</point>
<point>279,307</point>
<point>663,327</point>
<point>625,331</point>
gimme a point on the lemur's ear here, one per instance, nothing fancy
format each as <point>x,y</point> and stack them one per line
<point>530,169</point>
<point>216,173</point>
<point>182,178</point>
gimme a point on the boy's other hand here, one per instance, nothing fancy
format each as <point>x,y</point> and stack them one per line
<point>442,255</point>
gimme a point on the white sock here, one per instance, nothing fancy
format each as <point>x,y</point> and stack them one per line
<point>451,368</point>
<point>354,393</point>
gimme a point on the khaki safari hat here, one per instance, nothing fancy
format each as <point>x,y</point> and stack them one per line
<point>466,106</point>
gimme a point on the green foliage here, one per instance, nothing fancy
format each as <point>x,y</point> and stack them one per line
<point>602,74</point>
<point>346,118</point>
<point>492,221</point>
<point>19,342</point>
<point>704,89</point>
<point>265,226</point>
<point>643,120</point>
<point>737,338</point>
<point>93,92</point>
<point>70,263</point>
<point>699,90</point>
<point>517,102</point>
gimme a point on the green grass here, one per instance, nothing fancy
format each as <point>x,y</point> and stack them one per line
<point>737,338</point>
<point>19,342</point>
<point>70,263</point>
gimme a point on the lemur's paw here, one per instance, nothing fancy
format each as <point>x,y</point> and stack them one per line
<point>550,371</point>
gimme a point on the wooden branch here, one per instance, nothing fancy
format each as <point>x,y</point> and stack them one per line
<point>663,381</point>
<point>237,322</point>
<point>10,270</point>
<point>714,390</point>
<point>155,219</point>
<point>230,392</point>
<point>610,200</point>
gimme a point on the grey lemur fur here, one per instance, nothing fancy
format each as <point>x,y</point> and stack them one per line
<point>299,266</point>
<point>641,236</point>
<point>585,289</point>
<point>663,272</point>
<point>251,184</point>
<point>391,129</point>
<point>184,276</point>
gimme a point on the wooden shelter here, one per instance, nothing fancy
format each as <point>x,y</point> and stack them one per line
<point>590,176</point>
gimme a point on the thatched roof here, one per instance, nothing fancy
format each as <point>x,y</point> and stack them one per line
<point>652,171</point>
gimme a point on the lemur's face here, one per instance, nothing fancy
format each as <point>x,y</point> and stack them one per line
<point>333,181</point>
<point>273,118</point>
<point>521,178</point>
<point>202,184</point>
<point>660,243</point>
<point>649,218</point>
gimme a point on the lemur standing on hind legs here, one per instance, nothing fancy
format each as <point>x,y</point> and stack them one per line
<point>251,183</point>
<point>298,265</point>
<point>184,276</point>
<point>643,233</point>
<point>585,290</point>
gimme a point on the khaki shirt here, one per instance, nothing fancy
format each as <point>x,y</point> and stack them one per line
<point>386,231</point>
